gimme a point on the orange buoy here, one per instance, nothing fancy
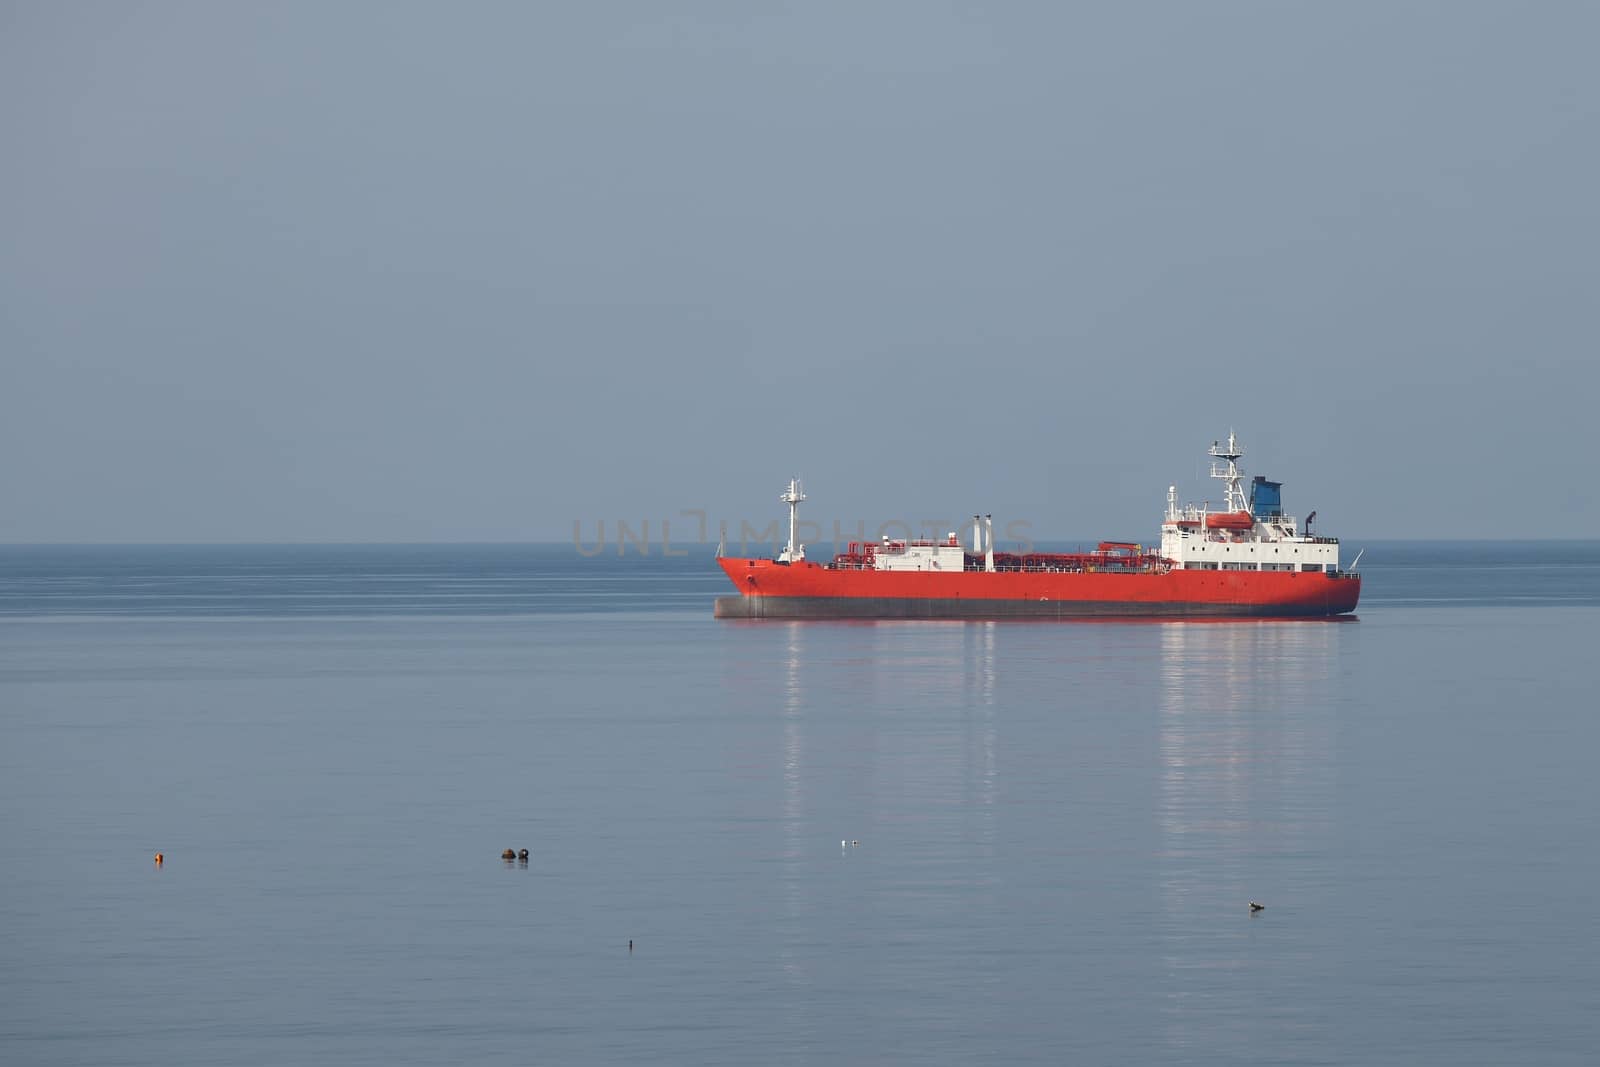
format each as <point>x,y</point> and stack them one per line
<point>160,859</point>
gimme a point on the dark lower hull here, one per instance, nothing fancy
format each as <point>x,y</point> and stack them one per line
<point>790,607</point>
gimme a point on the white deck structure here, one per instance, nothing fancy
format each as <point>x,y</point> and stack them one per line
<point>1249,534</point>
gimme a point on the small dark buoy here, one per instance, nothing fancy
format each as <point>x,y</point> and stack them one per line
<point>1254,907</point>
<point>508,854</point>
<point>523,855</point>
<point>630,944</point>
<point>160,859</point>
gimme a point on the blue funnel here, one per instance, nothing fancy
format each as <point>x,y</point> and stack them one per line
<point>1266,499</point>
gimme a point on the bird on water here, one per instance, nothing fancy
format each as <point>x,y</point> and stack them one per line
<point>523,855</point>
<point>1254,907</point>
<point>509,854</point>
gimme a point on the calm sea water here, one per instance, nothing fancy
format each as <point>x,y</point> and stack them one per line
<point>1059,824</point>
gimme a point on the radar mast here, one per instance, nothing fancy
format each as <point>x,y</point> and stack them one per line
<point>1225,466</point>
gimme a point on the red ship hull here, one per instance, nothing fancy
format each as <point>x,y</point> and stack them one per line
<point>774,590</point>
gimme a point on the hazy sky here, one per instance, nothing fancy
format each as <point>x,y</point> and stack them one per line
<point>472,271</point>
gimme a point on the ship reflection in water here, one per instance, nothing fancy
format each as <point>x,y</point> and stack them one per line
<point>1151,779</point>
<point>796,827</point>
<point>1247,751</point>
<point>885,735</point>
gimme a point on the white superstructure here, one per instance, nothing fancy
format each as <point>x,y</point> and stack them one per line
<point>920,555</point>
<point>1252,533</point>
<point>924,554</point>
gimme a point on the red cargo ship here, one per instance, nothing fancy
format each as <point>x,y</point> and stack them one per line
<point>1249,559</point>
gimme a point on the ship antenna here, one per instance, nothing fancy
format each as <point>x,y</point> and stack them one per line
<point>1229,470</point>
<point>792,496</point>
